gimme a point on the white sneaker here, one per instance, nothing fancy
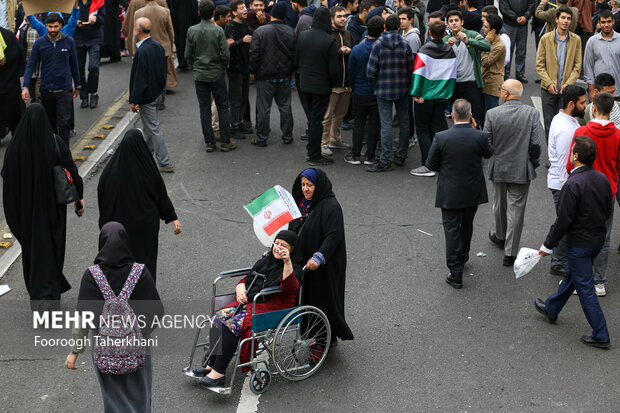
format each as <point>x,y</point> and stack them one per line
<point>325,151</point>
<point>422,171</point>
<point>339,145</point>
<point>600,290</point>
<point>413,142</point>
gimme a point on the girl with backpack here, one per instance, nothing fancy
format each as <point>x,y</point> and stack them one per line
<point>117,286</point>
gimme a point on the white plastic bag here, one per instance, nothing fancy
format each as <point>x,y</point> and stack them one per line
<point>527,259</point>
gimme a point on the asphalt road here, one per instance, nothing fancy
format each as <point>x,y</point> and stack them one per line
<point>420,345</point>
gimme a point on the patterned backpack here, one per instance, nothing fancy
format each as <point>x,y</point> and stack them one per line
<point>120,326</point>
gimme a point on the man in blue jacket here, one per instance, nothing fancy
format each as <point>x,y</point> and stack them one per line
<point>56,53</point>
<point>365,108</point>
<point>88,39</point>
<point>584,206</point>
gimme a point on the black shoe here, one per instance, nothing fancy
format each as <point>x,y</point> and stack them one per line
<point>210,146</point>
<point>379,167</point>
<point>243,130</point>
<point>320,161</point>
<point>304,137</point>
<point>398,161</point>
<point>287,141</point>
<point>458,284</point>
<point>259,143</point>
<point>161,106</point>
<point>537,80</point>
<point>94,100</point>
<point>593,342</point>
<point>84,103</point>
<point>555,271</point>
<point>201,372</point>
<point>509,260</point>
<point>522,79</point>
<point>208,382</point>
<point>540,306</point>
<point>495,240</point>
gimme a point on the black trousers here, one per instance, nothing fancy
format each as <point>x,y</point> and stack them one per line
<point>59,109</point>
<point>366,114</point>
<point>317,106</point>
<point>471,93</point>
<point>225,351</point>
<point>458,226</point>
<point>429,119</point>
<point>239,96</point>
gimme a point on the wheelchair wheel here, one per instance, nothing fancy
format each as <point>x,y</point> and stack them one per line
<point>260,381</point>
<point>301,343</point>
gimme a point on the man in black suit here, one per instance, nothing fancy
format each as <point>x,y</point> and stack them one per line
<point>457,155</point>
<point>146,86</point>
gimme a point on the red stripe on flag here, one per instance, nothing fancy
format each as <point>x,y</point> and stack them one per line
<point>95,5</point>
<point>278,222</point>
<point>418,63</point>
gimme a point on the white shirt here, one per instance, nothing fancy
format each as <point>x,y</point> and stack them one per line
<point>506,41</point>
<point>141,41</point>
<point>561,133</point>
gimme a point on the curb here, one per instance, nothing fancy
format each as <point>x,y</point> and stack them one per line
<point>13,253</point>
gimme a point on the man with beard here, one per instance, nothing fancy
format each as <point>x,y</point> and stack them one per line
<point>257,16</point>
<point>561,132</point>
<point>602,53</point>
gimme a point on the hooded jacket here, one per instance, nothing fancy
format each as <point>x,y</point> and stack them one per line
<point>356,27</point>
<point>343,38</point>
<point>390,66</point>
<point>358,61</point>
<point>305,20</point>
<point>317,56</point>
<point>58,63</point>
<point>476,45</point>
<point>412,37</point>
<point>607,140</point>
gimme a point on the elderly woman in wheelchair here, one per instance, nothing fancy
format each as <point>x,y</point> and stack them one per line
<point>263,319</point>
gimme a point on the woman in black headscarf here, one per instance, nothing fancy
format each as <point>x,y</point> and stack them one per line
<point>321,248</point>
<point>127,392</point>
<point>11,105</point>
<point>38,222</point>
<point>234,322</point>
<point>132,192</point>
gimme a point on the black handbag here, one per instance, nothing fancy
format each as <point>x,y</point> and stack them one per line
<point>66,192</point>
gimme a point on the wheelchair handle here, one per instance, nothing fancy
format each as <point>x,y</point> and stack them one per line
<point>259,275</point>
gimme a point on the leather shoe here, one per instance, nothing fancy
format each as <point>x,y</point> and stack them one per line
<point>84,103</point>
<point>509,260</point>
<point>94,100</point>
<point>522,79</point>
<point>593,342</point>
<point>540,306</point>
<point>495,240</point>
<point>209,382</point>
<point>454,283</point>
<point>555,271</point>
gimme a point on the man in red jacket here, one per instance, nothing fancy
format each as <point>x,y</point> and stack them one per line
<point>607,138</point>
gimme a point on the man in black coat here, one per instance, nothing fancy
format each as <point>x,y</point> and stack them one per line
<point>317,61</point>
<point>457,155</point>
<point>584,206</point>
<point>146,86</point>
<point>88,40</point>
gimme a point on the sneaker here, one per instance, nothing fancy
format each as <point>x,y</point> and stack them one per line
<point>447,113</point>
<point>353,160</point>
<point>84,103</point>
<point>370,160</point>
<point>398,161</point>
<point>94,100</point>
<point>339,145</point>
<point>379,167</point>
<point>422,171</point>
<point>225,147</point>
<point>304,136</point>
<point>258,142</point>
<point>345,125</point>
<point>321,161</point>
<point>166,169</point>
<point>210,146</point>
<point>413,142</point>
<point>325,151</point>
<point>600,290</point>
<point>287,141</point>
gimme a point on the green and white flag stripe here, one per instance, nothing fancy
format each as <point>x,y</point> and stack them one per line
<point>273,209</point>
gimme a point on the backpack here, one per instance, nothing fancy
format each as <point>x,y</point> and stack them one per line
<point>128,356</point>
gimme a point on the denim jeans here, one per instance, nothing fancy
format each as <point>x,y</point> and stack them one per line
<point>220,95</point>
<point>429,119</point>
<point>59,109</point>
<point>558,257</point>
<point>490,102</point>
<point>266,93</point>
<point>90,84</point>
<point>579,277</point>
<point>385,114</point>
<point>366,115</point>
<point>600,263</point>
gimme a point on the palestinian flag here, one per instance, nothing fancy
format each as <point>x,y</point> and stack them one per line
<point>273,209</point>
<point>434,73</point>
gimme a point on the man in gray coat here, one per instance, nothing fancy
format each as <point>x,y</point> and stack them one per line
<point>514,132</point>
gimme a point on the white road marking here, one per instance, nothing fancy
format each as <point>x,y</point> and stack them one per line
<point>248,402</point>
<point>537,101</point>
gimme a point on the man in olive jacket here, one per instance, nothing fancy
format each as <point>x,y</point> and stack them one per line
<point>468,46</point>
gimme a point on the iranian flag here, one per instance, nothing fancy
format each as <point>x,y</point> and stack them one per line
<point>434,73</point>
<point>94,6</point>
<point>273,209</point>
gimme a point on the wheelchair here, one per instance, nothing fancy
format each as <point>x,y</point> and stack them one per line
<point>292,343</point>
